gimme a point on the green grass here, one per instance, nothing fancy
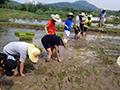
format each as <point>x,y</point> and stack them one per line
<point>59,34</point>
<point>6,14</point>
<point>27,26</point>
<point>105,30</point>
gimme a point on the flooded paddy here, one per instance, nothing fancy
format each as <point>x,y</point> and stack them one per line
<point>87,64</point>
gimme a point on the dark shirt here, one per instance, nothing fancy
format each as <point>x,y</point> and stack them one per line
<point>50,41</point>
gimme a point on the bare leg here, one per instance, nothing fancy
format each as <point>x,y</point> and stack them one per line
<point>53,53</point>
<point>49,54</point>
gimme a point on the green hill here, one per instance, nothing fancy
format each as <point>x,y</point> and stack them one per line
<point>79,5</point>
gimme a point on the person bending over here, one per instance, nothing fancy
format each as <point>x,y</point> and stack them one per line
<point>51,42</point>
<point>15,52</point>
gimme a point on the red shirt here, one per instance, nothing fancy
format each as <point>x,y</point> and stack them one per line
<point>51,27</point>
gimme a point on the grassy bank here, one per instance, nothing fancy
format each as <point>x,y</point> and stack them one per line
<point>27,26</point>
<point>6,14</point>
<point>58,27</point>
<point>106,30</point>
<point>16,25</point>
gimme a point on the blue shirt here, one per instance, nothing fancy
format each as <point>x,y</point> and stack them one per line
<point>68,24</point>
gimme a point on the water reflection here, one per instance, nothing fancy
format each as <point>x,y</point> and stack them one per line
<point>7,35</point>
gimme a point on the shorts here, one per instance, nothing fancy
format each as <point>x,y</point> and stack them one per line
<point>45,44</point>
<point>77,30</point>
<point>83,28</point>
<point>8,64</point>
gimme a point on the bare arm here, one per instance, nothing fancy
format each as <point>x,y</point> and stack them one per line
<point>21,68</point>
<point>46,29</point>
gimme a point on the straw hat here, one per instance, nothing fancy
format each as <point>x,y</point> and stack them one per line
<point>82,14</point>
<point>118,61</point>
<point>63,43</point>
<point>56,18</point>
<point>70,14</point>
<point>33,53</point>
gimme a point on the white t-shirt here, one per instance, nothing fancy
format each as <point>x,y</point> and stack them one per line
<point>17,48</point>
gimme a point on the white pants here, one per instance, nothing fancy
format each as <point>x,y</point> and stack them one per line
<point>66,36</point>
<point>67,33</point>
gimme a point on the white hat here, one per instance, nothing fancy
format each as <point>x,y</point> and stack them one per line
<point>70,14</point>
<point>83,14</point>
<point>56,18</point>
<point>104,8</point>
<point>118,61</point>
<point>90,15</point>
<point>33,53</point>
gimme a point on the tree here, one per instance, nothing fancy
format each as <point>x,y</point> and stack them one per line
<point>3,1</point>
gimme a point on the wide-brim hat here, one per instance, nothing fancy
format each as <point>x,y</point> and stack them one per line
<point>33,53</point>
<point>82,14</point>
<point>56,18</point>
<point>64,43</point>
<point>70,14</point>
<point>118,61</point>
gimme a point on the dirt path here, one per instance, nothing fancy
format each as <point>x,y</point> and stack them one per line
<point>84,66</point>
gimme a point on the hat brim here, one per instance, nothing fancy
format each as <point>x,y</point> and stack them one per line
<point>118,61</point>
<point>32,57</point>
<point>63,43</point>
<point>57,20</point>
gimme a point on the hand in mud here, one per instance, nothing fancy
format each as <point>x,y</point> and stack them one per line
<point>59,60</point>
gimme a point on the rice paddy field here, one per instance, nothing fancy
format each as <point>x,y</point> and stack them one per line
<point>87,64</point>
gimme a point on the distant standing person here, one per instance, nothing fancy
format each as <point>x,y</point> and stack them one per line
<point>50,26</point>
<point>67,27</point>
<point>15,52</point>
<point>102,18</point>
<point>82,17</point>
<point>76,27</point>
<point>51,42</point>
<point>87,23</point>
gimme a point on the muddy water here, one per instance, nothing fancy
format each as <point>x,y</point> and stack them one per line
<point>8,35</point>
<point>87,64</point>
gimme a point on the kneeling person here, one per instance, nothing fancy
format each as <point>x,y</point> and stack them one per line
<point>21,50</point>
<point>51,42</point>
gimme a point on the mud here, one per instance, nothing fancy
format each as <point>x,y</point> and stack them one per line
<point>87,64</point>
